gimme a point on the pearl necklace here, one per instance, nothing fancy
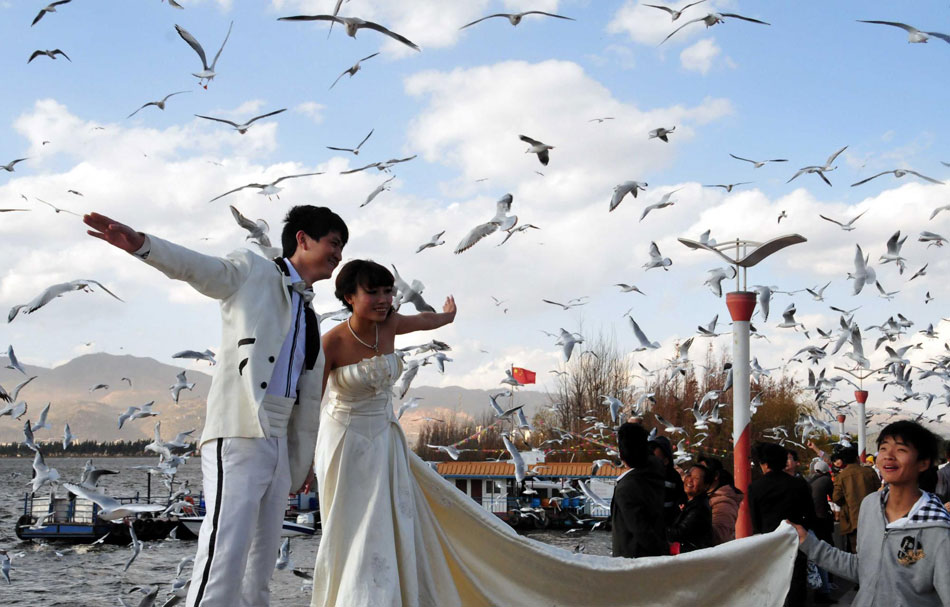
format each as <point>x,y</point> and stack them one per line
<point>375,346</point>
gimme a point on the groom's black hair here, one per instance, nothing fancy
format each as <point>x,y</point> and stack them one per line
<point>632,444</point>
<point>316,222</point>
<point>361,273</point>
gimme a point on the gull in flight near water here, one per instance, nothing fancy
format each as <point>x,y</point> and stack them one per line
<point>353,25</point>
<point>207,73</point>
<point>111,509</point>
<point>54,291</point>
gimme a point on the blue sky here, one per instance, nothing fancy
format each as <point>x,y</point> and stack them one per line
<point>812,82</point>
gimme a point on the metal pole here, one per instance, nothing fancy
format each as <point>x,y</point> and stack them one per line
<point>862,397</point>
<point>741,304</point>
<point>841,419</point>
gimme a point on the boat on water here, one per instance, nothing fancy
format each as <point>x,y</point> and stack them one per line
<point>75,519</point>
<point>550,496</point>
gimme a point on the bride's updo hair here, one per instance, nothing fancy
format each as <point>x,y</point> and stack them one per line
<point>360,273</point>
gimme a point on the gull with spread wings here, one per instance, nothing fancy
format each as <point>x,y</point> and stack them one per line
<point>159,104</point>
<point>355,151</point>
<point>819,170</point>
<point>207,72</point>
<point>515,18</point>
<point>712,19</point>
<point>501,220</point>
<point>353,25</point>
<point>266,189</point>
<point>898,173</point>
<point>54,291</point>
<point>243,127</point>
<point>352,69</point>
<point>674,13</point>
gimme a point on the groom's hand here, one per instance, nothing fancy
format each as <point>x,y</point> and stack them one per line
<point>115,233</point>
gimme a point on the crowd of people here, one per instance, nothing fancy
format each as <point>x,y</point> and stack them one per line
<point>882,524</point>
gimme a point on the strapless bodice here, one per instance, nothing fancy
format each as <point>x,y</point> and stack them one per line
<point>363,388</point>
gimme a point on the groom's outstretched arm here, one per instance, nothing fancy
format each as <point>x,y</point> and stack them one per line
<point>215,277</point>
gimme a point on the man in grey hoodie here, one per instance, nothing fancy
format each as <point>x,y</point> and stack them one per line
<point>903,533</point>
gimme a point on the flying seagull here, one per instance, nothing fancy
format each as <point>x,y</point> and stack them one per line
<point>242,128</point>
<point>758,164</point>
<point>50,8</point>
<point>656,259</point>
<point>819,170</point>
<point>9,166</point>
<point>661,134</point>
<point>54,291</point>
<point>56,209</point>
<point>847,227</point>
<point>355,151</point>
<point>257,230</point>
<point>914,35</point>
<point>353,25</point>
<point>515,18</point>
<point>49,53</point>
<point>621,190</point>
<point>380,166</point>
<point>712,19</point>
<point>352,69</point>
<point>541,149</point>
<point>432,242</point>
<point>674,13</point>
<point>501,220</point>
<point>207,72</point>
<point>727,186</point>
<point>266,189</point>
<point>379,190</point>
<point>111,509</point>
<point>898,173</point>
<point>159,104</point>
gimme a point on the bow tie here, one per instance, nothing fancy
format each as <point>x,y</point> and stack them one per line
<point>301,289</point>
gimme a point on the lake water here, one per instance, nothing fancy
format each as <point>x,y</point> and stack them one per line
<point>57,574</point>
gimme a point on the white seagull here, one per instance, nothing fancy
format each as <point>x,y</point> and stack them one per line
<point>657,260</point>
<point>49,53</point>
<point>621,190</point>
<point>256,230</point>
<point>515,18</point>
<point>898,173</point>
<point>674,13</point>
<point>159,104</point>
<point>355,151</point>
<point>180,384</point>
<point>207,72</point>
<point>111,509</point>
<point>536,147</point>
<point>847,227</point>
<point>712,19</point>
<point>50,8</point>
<point>645,343</point>
<point>501,220</point>
<point>266,189</point>
<point>383,187</point>
<point>8,167</point>
<point>353,25</point>
<point>432,242</point>
<point>661,134</point>
<point>758,164</point>
<point>352,69</point>
<point>914,35</point>
<point>662,204</point>
<point>54,291</point>
<point>819,170</point>
<point>244,126</point>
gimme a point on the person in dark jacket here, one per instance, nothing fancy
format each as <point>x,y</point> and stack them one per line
<point>693,527</point>
<point>636,511</point>
<point>822,488</point>
<point>775,497</point>
<point>673,496</point>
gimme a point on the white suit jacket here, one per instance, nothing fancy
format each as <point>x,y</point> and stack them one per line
<point>256,316</point>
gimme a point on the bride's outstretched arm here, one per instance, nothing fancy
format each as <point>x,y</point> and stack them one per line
<point>426,321</point>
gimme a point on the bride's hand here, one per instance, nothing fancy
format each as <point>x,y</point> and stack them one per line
<point>449,306</point>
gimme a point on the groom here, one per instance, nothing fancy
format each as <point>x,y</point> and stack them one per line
<point>263,406</point>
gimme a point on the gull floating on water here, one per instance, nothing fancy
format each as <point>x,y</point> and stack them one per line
<point>353,25</point>
<point>207,72</point>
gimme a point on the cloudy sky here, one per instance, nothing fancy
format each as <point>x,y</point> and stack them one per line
<point>813,81</point>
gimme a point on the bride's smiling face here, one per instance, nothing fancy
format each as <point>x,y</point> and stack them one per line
<point>371,304</point>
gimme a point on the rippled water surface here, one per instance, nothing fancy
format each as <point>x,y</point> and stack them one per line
<point>81,575</point>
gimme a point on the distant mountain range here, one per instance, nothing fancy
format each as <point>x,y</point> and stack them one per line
<point>93,415</point>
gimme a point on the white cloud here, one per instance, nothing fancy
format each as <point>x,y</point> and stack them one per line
<point>312,110</point>
<point>699,57</point>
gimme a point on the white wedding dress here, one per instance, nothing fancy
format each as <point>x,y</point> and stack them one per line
<point>395,533</point>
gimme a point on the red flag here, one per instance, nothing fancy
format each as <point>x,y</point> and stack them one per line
<point>523,375</point>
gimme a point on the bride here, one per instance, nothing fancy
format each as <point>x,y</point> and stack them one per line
<point>395,533</point>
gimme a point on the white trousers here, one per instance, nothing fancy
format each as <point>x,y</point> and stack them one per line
<point>246,483</point>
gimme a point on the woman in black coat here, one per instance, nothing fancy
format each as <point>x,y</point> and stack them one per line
<point>693,527</point>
